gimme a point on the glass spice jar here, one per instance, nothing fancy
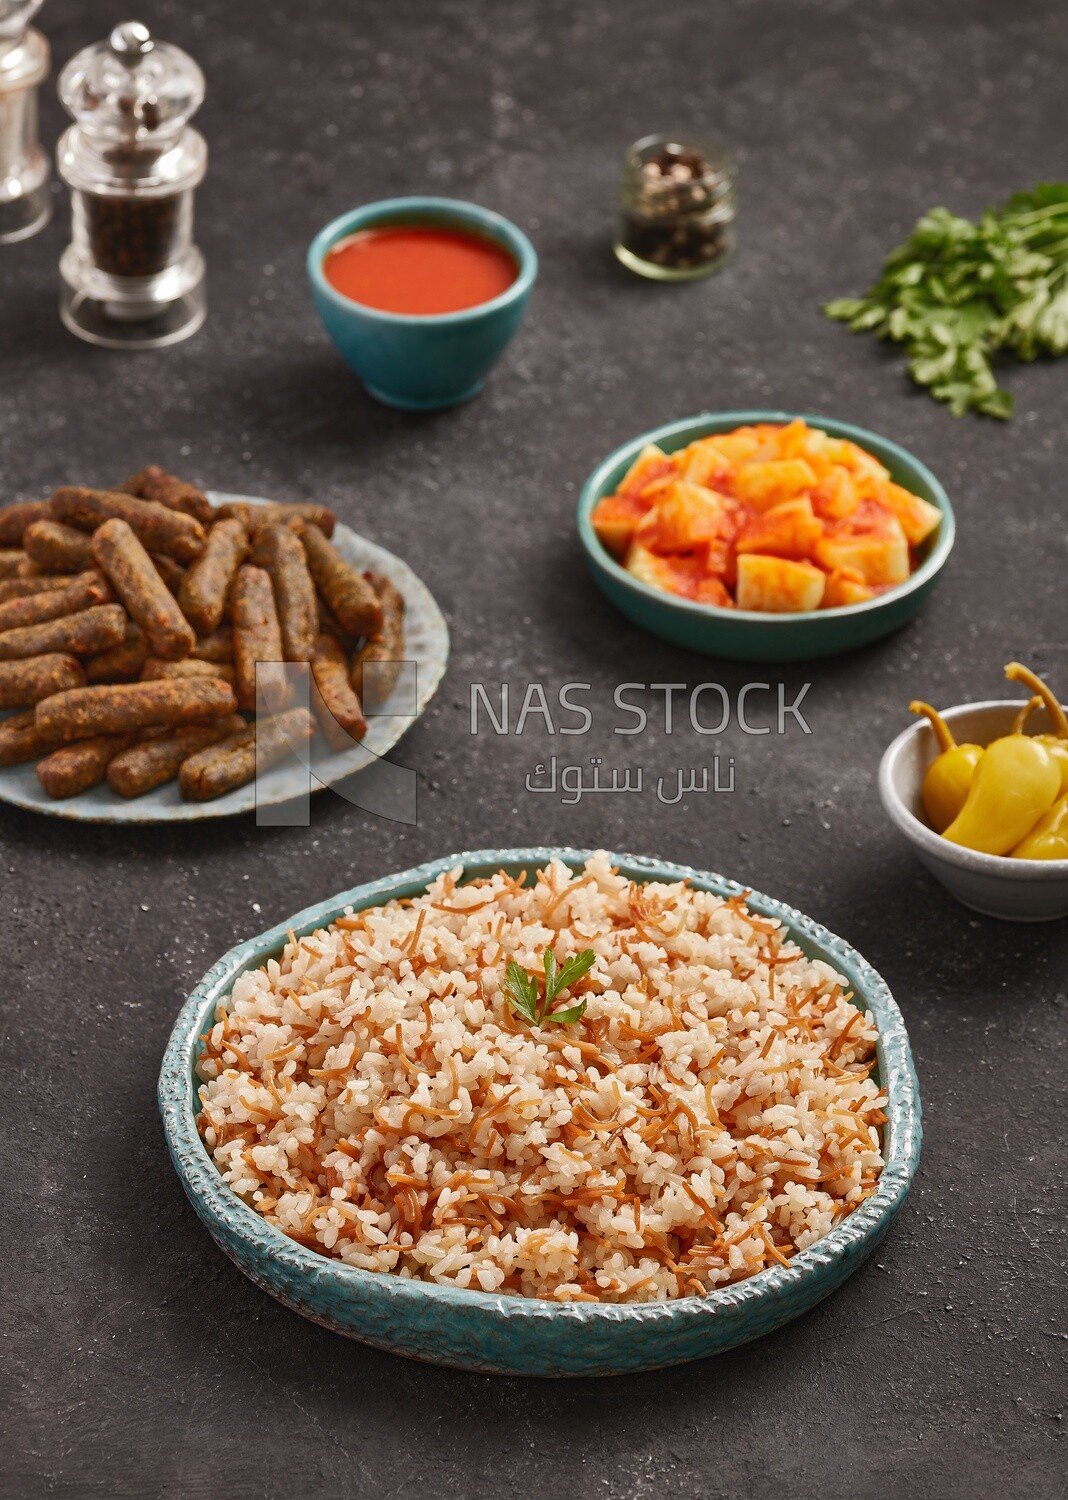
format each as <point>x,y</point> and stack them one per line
<point>677,202</point>
<point>132,276</point>
<point>25,201</point>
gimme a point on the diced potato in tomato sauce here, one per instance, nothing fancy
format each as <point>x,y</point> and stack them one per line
<point>651,464</point>
<point>762,485</point>
<point>737,446</point>
<point>714,591</point>
<point>789,529</point>
<point>851,456</point>
<point>875,557</point>
<point>702,464</point>
<point>844,588</point>
<point>686,516</point>
<point>836,495</point>
<point>615,521</point>
<point>777,585</point>
<point>676,575</point>
<point>918,517</point>
<point>772,517</point>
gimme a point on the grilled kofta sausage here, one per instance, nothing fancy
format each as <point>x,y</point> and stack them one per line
<point>21,740</point>
<point>23,683</point>
<point>257,637</point>
<point>171,572</point>
<point>142,590</point>
<point>150,764</point>
<point>154,669</point>
<point>301,510</point>
<point>14,519</point>
<point>22,588</point>
<point>252,517</point>
<point>348,594</point>
<point>75,768</point>
<point>154,483</point>
<point>236,760</point>
<point>329,624</point>
<point>119,708</point>
<point>82,590</point>
<point>218,646</point>
<point>220,768</point>
<point>10,558</point>
<point>158,529</point>
<point>336,706</point>
<point>237,510</point>
<point>278,549</point>
<point>383,654</point>
<point>123,662</point>
<point>205,586</point>
<point>81,634</point>
<point>56,548</point>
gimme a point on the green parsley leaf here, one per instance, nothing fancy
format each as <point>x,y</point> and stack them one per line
<point>568,1017</point>
<point>956,292</point>
<point>521,988</point>
<point>550,976</point>
<point>521,991</point>
<point>575,969</point>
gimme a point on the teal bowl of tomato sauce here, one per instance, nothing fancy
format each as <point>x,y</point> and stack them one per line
<point>421,296</point>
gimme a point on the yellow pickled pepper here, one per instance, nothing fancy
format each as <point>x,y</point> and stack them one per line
<point>1057,741</point>
<point>1019,724</point>
<point>949,776</point>
<point>1016,782</point>
<point>1048,839</point>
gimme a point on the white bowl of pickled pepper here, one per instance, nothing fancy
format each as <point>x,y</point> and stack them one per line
<point>980,791</point>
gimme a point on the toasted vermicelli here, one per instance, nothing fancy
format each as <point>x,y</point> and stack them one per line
<point>373,1093</point>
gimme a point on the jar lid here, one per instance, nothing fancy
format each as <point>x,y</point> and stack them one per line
<point>15,16</point>
<point>24,54</point>
<point>131,89</point>
<point>667,165</point>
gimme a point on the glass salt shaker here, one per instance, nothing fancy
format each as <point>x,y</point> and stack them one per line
<point>25,202</point>
<point>677,208</point>
<point>132,278</point>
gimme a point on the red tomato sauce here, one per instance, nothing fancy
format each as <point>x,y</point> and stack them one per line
<point>417,269</point>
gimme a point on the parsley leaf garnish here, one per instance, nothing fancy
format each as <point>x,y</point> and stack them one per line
<point>957,293</point>
<point>523,995</point>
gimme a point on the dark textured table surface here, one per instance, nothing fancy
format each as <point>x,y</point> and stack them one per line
<point>136,1360</point>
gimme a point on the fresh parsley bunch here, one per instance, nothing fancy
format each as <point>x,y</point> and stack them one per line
<point>955,293</point>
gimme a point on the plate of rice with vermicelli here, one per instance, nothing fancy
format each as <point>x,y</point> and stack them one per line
<point>575,1084</point>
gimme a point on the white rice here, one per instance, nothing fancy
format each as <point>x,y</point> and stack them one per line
<point>709,1115</point>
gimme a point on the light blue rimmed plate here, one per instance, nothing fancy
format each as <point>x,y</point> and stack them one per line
<point>749,635</point>
<point>426,643</point>
<point>514,1335</point>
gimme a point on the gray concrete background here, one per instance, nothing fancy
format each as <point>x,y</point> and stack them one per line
<point>136,1361</point>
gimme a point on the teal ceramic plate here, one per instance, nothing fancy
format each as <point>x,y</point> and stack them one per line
<point>517,1335</point>
<point>746,635</point>
<point>426,643</point>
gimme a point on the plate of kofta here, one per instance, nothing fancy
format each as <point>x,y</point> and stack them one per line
<point>169,654</point>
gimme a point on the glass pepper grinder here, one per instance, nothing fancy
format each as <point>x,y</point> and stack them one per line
<point>25,202</point>
<point>132,277</point>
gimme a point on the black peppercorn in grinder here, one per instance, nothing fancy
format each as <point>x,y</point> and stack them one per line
<point>132,278</point>
<point>25,204</point>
